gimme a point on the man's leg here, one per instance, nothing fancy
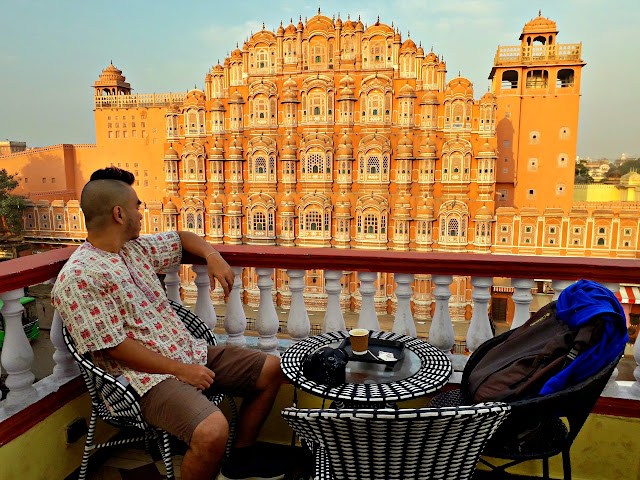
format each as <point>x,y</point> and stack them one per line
<point>185,412</point>
<point>256,406</point>
<point>208,442</point>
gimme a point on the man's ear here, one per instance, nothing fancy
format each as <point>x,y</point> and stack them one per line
<point>118,214</point>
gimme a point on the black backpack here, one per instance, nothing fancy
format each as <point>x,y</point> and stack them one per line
<point>516,365</point>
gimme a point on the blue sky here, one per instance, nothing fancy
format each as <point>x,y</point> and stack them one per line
<point>51,52</point>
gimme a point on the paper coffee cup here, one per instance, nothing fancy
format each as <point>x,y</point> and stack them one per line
<point>359,341</point>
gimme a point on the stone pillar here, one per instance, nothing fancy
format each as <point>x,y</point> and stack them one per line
<point>333,318</point>
<point>441,331</point>
<point>267,319</point>
<point>235,321</point>
<point>403,322</point>
<point>172,284</point>
<point>522,298</point>
<point>204,306</point>
<point>298,325</point>
<point>368,318</point>
<point>480,328</point>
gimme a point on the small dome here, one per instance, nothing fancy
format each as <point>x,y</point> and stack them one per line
<point>488,98</point>
<point>405,147</point>
<point>217,69</point>
<point>402,206</point>
<point>289,96</point>
<point>346,93</point>
<point>171,208</point>
<point>216,151</point>
<point>347,81</point>
<point>280,30</point>
<point>459,86</point>
<point>343,205</point>
<point>483,213</point>
<point>345,148</point>
<point>216,205</point>
<point>290,83</point>
<point>420,51</point>
<point>407,91</point>
<point>338,23</point>
<point>359,26</point>
<point>217,106</point>
<point>539,24</point>
<point>235,149</point>
<point>171,154</point>
<point>428,148</point>
<point>429,98</point>
<point>236,54</point>
<point>235,205</point>
<point>431,58</point>
<point>300,25</point>
<point>195,96</point>
<point>397,38</point>
<point>487,150</point>
<point>287,204</point>
<point>408,46</point>
<point>236,97</point>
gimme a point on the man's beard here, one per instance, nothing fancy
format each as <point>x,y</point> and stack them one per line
<point>133,230</point>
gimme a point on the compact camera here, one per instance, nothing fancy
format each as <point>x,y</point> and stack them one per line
<point>326,366</point>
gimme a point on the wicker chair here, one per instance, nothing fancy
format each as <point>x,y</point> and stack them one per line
<point>124,410</point>
<point>404,444</point>
<point>535,429</point>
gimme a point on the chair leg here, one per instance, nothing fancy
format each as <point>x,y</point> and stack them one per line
<point>545,468</point>
<point>164,444</point>
<point>88,446</point>
<point>566,463</point>
<point>232,425</point>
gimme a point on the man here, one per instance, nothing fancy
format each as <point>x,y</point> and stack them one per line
<point>112,303</point>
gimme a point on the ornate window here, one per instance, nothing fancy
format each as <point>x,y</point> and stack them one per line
<point>259,222</point>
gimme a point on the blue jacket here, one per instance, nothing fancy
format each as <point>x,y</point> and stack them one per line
<point>577,304</point>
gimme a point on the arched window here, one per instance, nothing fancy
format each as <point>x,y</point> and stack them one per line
<point>316,110</point>
<point>601,241</point>
<point>313,220</point>
<point>190,221</point>
<point>453,227</point>
<point>315,162</point>
<point>259,221</point>
<point>261,165</point>
<point>371,223</point>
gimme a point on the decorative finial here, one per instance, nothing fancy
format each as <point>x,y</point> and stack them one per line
<point>540,12</point>
<point>112,62</point>
<point>408,34</point>
<point>432,48</point>
<point>459,73</point>
<point>348,16</point>
<point>291,20</point>
<point>378,19</point>
<point>318,10</point>
<point>391,25</point>
<point>262,25</point>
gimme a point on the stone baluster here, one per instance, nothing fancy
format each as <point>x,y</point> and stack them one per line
<point>403,322</point>
<point>204,306</point>
<point>612,389</point>
<point>522,298</point>
<point>298,325</point>
<point>635,388</point>
<point>333,318</point>
<point>441,331</point>
<point>172,283</point>
<point>267,319</point>
<point>479,327</point>
<point>235,321</point>
<point>17,355</point>
<point>558,287</point>
<point>66,366</point>
<point>368,318</point>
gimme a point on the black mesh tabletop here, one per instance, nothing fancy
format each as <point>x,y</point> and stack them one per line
<point>434,371</point>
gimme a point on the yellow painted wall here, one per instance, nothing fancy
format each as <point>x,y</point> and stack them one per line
<point>596,193</point>
<point>42,452</point>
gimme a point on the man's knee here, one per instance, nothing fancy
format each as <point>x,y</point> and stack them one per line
<point>211,434</point>
<point>271,374</point>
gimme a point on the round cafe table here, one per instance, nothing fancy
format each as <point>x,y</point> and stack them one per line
<point>422,370</point>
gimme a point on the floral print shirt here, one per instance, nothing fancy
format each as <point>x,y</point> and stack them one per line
<point>104,297</point>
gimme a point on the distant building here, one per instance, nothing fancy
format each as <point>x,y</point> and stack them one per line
<point>7,147</point>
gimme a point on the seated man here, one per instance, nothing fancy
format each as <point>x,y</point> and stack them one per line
<point>112,303</point>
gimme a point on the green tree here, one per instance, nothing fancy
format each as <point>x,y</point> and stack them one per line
<point>582,174</point>
<point>11,206</point>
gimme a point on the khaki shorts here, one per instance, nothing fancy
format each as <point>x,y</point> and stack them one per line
<point>178,407</point>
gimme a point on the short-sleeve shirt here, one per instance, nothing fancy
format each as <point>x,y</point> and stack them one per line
<point>104,297</point>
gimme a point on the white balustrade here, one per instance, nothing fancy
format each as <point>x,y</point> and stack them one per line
<point>403,322</point>
<point>235,321</point>
<point>333,318</point>
<point>267,319</point>
<point>368,318</point>
<point>204,306</point>
<point>172,284</point>
<point>479,327</point>
<point>17,355</point>
<point>298,325</point>
<point>65,366</point>
<point>559,286</point>
<point>522,298</point>
<point>635,388</point>
<point>441,331</point>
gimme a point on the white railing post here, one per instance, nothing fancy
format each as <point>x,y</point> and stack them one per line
<point>235,321</point>
<point>204,306</point>
<point>612,389</point>
<point>333,318</point>
<point>172,284</point>
<point>17,355</point>
<point>368,318</point>
<point>441,330</point>
<point>403,322</point>
<point>635,388</point>
<point>479,327</point>
<point>267,319</point>
<point>558,286</point>
<point>66,366</point>
<point>522,298</point>
<point>298,324</point>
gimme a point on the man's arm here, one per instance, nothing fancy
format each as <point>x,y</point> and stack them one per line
<point>138,357</point>
<point>216,265</point>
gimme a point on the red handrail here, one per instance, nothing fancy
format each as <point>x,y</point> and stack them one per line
<point>33,269</point>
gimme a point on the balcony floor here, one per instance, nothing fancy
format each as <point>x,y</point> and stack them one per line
<point>133,463</point>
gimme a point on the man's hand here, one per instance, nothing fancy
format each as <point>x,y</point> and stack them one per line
<point>219,269</point>
<point>197,375</point>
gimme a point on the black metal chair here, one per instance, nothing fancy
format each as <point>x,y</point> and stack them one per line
<point>535,429</point>
<point>404,444</point>
<point>123,410</point>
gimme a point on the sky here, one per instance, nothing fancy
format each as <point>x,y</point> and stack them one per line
<point>51,52</point>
